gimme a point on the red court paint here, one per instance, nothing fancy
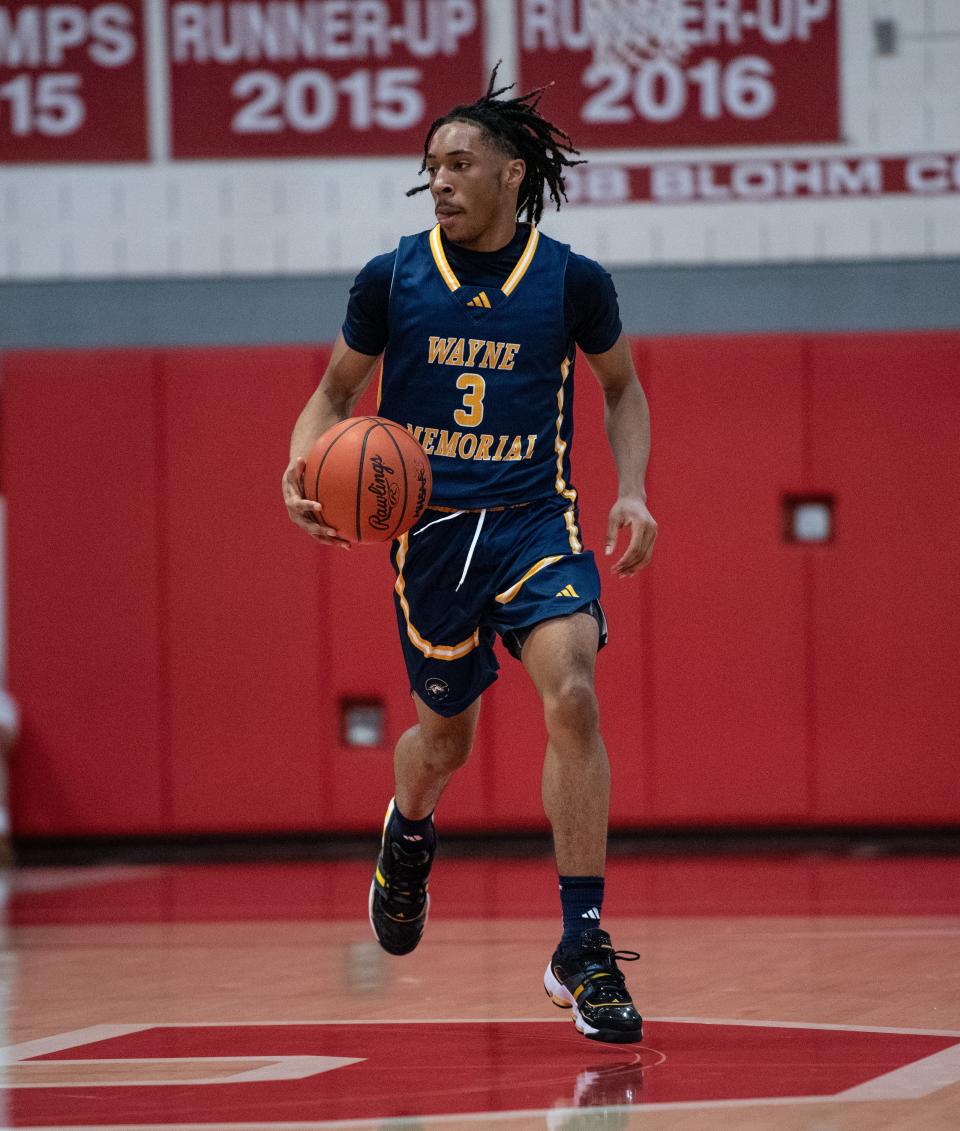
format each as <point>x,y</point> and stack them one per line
<point>424,1069</point>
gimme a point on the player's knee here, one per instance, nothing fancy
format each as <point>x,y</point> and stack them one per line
<point>445,753</point>
<point>572,707</point>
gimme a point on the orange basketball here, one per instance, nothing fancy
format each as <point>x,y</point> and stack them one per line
<point>371,477</point>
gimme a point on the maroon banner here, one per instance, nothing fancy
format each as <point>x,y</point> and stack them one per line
<point>684,72</point>
<point>761,179</point>
<point>320,78</point>
<point>72,82</point>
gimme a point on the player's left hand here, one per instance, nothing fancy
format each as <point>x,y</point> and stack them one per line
<point>631,511</point>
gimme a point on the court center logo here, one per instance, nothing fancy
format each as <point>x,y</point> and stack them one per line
<point>437,688</point>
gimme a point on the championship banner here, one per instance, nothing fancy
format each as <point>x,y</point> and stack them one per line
<point>72,81</point>
<point>317,78</point>
<point>643,73</point>
<point>757,180</point>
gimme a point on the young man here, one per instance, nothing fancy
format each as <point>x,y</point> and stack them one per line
<point>477,321</point>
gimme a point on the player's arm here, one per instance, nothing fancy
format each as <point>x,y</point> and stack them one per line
<point>347,375</point>
<point>627,420</point>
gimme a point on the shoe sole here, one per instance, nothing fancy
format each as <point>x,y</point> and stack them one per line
<point>561,997</point>
<point>373,926</point>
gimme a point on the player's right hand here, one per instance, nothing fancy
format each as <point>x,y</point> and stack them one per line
<point>305,513</point>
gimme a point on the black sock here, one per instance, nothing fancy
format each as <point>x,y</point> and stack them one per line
<point>581,898</point>
<point>410,834</point>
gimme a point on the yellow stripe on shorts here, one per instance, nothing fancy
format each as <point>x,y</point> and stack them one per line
<point>431,651</point>
<point>508,595</point>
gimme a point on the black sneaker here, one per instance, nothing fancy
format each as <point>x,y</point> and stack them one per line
<point>588,980</point>
<point>398,894</point>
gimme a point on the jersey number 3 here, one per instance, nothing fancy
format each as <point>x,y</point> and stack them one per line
<point>472,412</point>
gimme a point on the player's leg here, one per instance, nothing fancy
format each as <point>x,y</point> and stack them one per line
<point>425,759</point>
<point>427,756</point>
<point>449,662</point>
<point>560,656</point>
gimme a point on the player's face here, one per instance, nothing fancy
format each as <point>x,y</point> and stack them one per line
<point>474,187</point>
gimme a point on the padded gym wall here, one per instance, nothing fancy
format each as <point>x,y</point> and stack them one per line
<point>182,655</point>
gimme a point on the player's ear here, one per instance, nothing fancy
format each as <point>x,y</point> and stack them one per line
<point>513,173</point>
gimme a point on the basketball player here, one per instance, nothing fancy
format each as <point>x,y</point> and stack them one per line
<point>476,322</point>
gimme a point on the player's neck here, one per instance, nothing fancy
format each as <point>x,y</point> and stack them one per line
<point>494,238</point>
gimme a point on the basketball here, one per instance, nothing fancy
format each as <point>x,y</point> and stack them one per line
<point>371,477</point>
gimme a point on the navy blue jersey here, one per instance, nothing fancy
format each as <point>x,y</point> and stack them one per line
<point>483,376</point>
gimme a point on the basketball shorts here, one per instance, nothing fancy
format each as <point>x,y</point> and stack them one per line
<point>465,577</point>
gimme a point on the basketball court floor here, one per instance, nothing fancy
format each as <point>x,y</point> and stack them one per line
<point>811,992</point>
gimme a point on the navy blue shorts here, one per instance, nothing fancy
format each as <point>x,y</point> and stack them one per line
<point>467,576</point>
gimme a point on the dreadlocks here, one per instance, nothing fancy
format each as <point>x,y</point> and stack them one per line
<point>516,128</point>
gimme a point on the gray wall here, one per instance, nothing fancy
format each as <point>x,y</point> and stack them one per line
<point>902,295</point>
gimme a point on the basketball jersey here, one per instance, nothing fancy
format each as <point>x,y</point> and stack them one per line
<point>482,376</point>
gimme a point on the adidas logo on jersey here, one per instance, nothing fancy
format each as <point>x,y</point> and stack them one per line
<point>568,591</point>
<point>593,913</point>
<point>480,300</point>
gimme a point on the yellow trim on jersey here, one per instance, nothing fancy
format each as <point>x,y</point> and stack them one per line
<point>431,651</point>
<point>508,595</point>
<point>522,263</point>
<point>453,283</point>
<point>560,483</point>
<point>440,258</point>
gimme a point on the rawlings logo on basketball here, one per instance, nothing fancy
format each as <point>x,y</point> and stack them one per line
<point>437,688</point>
<point>386,493</point>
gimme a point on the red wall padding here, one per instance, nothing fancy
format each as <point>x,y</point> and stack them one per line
<point>80,472</point>
<point>181,653</point>
<point>885,607</point>
<point>726,625</point>
<point>244,652</point>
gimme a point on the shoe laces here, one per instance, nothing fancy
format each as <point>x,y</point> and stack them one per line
<point>407,874</point>
<point>602,979</point>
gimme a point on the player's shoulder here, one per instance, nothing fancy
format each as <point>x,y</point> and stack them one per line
<point>584,270</point>
<point>378,269</point>
<point>590,299</point>
<point>416,242</point>
<point>551,243</point>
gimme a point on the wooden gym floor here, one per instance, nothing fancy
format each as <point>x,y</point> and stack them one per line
<point>785,992</point>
